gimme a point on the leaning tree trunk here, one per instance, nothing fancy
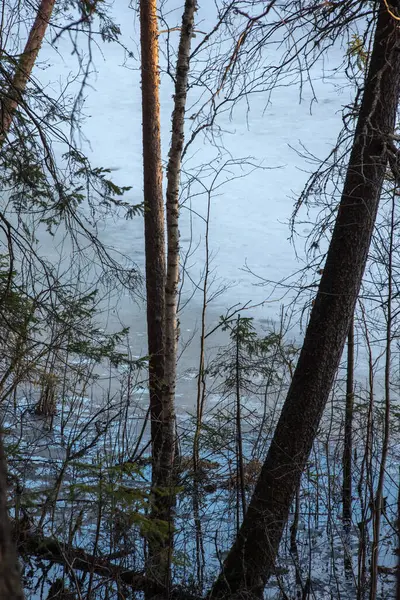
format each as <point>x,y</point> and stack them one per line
<point>251,560</point>
<point>10,579</point>
<point>157,565</point>
<point>24,66</point>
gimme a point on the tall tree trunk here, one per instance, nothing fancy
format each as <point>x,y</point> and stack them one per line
<point>24,66</point>
<point>155,269</point>
<point>348,429</point>
<point>251,560</point>
<point>162,285</point>
<point>173,177</point>
<point>172,276</point>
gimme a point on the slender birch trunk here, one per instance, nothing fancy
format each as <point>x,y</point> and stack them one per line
<point>251,560</point>
<point>168,453</point>
<point>172,204</point>
<point>24,66</point>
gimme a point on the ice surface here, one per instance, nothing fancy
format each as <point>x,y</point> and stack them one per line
<point>249,216</point>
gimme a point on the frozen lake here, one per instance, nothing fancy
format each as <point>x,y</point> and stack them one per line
<point>249,215</point>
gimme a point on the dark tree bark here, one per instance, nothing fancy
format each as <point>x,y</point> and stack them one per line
<point>251,560</point>
<point>10,580</point>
